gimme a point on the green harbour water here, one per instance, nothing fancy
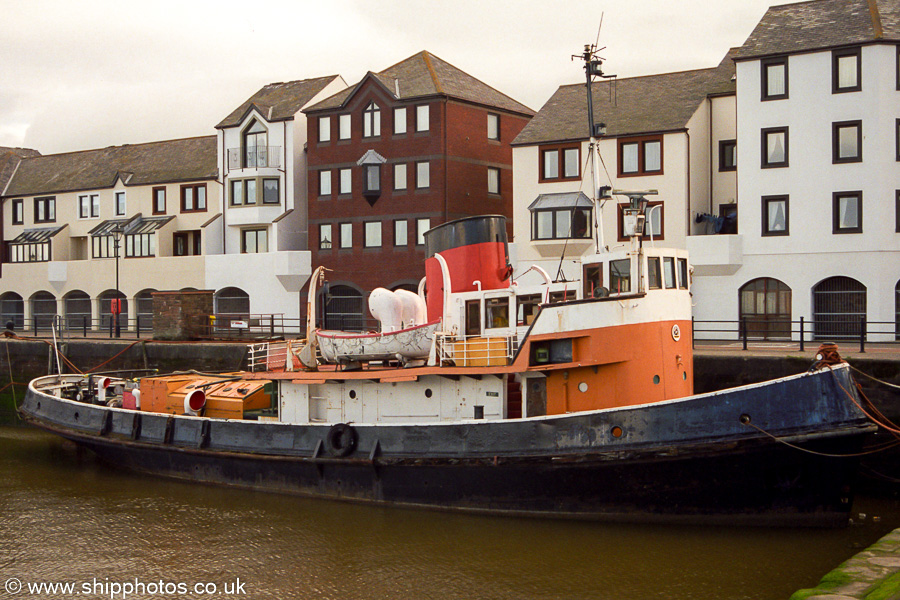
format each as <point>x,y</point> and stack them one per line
<point>67,518</point>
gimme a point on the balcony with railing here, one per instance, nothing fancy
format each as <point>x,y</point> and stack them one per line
<point>254,157</point>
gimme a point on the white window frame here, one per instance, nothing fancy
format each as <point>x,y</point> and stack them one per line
<point>423,118</point>
<point>422,225</point>
<point>401,233</point>
<point>346,181</point>
<point>346,235</point>
<point>372,235</point>
<point>401,178</point>
<point>400,120</point>
<point>325,129</point>
<point>345,129</point>
<point>423,175</point>
<point>325,183</point>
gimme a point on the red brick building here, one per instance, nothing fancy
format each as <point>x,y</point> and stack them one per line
<point>405,149</point>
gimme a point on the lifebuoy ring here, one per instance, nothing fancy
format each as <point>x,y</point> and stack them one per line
<point>341,440</point>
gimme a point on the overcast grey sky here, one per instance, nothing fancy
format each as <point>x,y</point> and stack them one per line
<point>84,74</point>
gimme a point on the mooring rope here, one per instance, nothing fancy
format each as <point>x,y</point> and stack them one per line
<point>826,454</point>
<point>885,383</point>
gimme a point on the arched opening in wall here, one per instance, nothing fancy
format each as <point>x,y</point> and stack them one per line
<point>232,302</point>
<point>412,287</point>
<point>12,310</point>
<point>43,310</point>
<point>897,311</point>
<point>105,311</point>
<point>839,308</point>
<point>77,307</point>
<point>143,304</point>
<point>765,308</point>
<point>342,308</point>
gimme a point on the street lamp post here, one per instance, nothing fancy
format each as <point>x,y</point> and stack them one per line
<point>117,236</point>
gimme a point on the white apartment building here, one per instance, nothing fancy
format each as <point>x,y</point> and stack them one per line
<point>673,133</point>
<point>818,147</point>
<point>61,214</point>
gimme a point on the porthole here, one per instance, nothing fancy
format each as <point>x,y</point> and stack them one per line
<point>352,394</point>
<point>616,432</point>
<point>684,375</point>
<point>656,379</point>
<point>76,416</point>
<point>428,392</point>
<point>583,387</point>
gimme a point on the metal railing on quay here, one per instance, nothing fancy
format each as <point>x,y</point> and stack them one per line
<point>750,333</point>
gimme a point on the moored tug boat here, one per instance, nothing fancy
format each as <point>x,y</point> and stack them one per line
<point>553,400</point>
<point>564,399</point>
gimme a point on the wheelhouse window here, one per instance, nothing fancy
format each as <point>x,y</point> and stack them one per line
<point>324,129</point>
<point>344,127</point>
<point>847,142</point>
<point>120,204</point>
<point>159,200</point>
<point>620,276</point>
<point>400,182</point>
<point>372,120</point>
<point>669,272</point>
<point>45,210</point>
<point>727,155</point>
<point>846,70</point>
<point>654,274</point>
<point>423,122</point>
<point>373,234</point>
<point>496,313</point>
<point>18,211</point>
<point>193,197</point>
<point>493,180</point>
<point>559,164</point>
<point>493,127</point>
<point>255,145</point>
<point>325,236</point>
<point>640,156</point>
<point>775,78</point>
<point>254,241</point>
<point>774,147</point>
<point>775,215</point>
<point>400,120</point>
<point>847,212</point>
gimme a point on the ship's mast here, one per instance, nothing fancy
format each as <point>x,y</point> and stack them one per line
<point>593,68</point>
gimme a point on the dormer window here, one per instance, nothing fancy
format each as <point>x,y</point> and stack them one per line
<point>372,120</point>
<point>255,145</point>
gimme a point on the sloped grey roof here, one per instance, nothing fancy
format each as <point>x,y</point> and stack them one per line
<point>561,200</point>
<point>279,101</point>
<point>654,103</point>
<point>822,24</point>
<point>187,159</point>
<point>9,158</point>
<point>424,74</point>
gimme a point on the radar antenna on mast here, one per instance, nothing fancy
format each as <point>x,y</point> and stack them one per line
<point>593,68</point>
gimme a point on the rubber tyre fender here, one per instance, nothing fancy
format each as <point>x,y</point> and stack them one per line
<point>341,440</point>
